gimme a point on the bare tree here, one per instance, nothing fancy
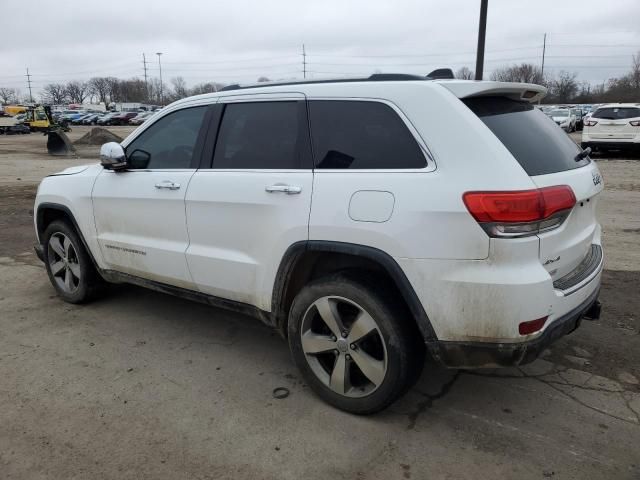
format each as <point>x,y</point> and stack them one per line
<point>77,91</point>
<point>179,88</point>
<point>55,93</point>
<point>524,73</point>
<point>564,88</point>
<point>208,87</point>
<point>9,95</point>
<point>99,87</point>
<point>465,73</point>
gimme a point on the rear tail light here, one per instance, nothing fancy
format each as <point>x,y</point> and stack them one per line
<point>590,123</point>
<point>520,213</point>
<point>635,123</point>
<point>532,326</point>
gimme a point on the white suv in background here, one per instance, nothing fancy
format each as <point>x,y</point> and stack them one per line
<point>613,126</point>
<point>369,221</point>
<point>565,118</point>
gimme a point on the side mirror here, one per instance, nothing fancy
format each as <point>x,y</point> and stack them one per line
<point>112,156</point>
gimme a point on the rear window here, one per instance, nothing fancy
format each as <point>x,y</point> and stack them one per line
<point>617,113</point>
<point>535,141</point>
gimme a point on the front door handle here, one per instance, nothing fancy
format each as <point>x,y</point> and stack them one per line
<point>288,189</point>
<point>168,184</point>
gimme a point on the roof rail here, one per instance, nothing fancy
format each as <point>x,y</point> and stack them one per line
<point>376,77</point>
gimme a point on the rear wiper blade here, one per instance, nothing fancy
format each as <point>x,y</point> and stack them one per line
<point>583,154</point>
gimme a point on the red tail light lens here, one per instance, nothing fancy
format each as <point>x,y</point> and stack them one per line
<point>519,213</point>
<point>590,123</point>
<point>532,326</point>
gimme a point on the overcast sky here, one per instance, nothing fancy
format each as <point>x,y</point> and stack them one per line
<point>239,40</point>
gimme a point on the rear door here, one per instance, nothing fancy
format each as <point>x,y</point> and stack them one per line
<point>550,158</point>
<point>614,123</point>
<point>252,201</point>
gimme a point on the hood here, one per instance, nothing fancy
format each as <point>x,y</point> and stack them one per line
<point>71,170</point>
<point>560,119</point>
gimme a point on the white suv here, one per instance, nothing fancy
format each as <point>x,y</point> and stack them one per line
<point>613,126</point>
<point>369,221</point>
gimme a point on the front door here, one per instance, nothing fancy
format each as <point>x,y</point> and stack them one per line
<point>140,213</point>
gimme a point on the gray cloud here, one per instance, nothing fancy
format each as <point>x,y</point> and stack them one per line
<point>241,40</point>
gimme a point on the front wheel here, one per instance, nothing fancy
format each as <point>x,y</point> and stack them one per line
<point>68,264</point>
<point>356,348</point>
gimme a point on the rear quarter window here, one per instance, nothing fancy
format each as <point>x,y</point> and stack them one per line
<point>534,140</point>
<point>354,134</point>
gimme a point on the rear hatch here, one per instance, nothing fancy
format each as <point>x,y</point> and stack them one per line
<point>550,158</point>
<point>614,123</point>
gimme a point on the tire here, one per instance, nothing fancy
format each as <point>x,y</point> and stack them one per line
<point>69,266</point>
<point>333,365</point>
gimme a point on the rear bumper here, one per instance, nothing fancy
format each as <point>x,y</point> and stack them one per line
<point>481,354</point>
<point>614,144</point>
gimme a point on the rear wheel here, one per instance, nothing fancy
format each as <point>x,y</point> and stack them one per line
<point>68,264</point>
<point>354,347</point>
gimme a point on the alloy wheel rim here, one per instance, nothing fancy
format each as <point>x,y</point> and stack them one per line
<point>63,262</point>
<point>343,346</point>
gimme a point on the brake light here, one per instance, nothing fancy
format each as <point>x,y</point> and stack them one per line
<point>590,123</point>
<point>520,213</point>
<point>635,123</point>
<point>532,326</point>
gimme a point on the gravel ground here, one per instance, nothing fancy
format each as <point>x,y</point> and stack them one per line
<point>143,385</point>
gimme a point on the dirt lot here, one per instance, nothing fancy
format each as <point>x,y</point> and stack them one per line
<point>142,385</point>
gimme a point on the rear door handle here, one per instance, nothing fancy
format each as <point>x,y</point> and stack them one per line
<point>288,189</point>
<point>168,184</point>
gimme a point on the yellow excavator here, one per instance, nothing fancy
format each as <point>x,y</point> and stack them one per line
<point>39,119</point>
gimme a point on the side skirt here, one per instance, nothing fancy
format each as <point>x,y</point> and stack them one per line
<point>113,276</point>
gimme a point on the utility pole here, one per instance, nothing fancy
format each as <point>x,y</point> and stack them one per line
<point>304,62</point>
<point>29,84</point>
<point>146,84</point>
<point>160,66</point>
<point>544,48</point>
<point>482,31</point>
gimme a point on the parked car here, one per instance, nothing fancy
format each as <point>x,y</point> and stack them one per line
<point>91,119</point>
<point>122,118</point>
<point>565,118</point>
<point>349,217</point>
<point>578,114</point>
<point>106,119</point>
<point>140,118</point>
<point>613,126</point>
<point>79,119</point>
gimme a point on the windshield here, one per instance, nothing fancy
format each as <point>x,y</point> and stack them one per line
<point>559,113</point>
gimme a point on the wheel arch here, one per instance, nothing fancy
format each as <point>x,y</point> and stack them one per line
<point>306,260</point>
<point>48,212</point>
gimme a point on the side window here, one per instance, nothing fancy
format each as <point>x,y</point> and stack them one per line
<point>169,142</point>
<point>361,135</point>
<point>259,135</point>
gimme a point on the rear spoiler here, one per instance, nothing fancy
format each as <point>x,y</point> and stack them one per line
<point>517,91</point>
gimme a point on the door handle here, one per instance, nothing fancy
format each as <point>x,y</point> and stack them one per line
<point>288,189</point>
<point>168,184</point>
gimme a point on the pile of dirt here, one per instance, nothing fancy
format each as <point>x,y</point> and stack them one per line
<point>98,136</point>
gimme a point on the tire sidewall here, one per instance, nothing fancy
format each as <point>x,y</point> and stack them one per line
<point>82,293</point>
<point>396,343</point>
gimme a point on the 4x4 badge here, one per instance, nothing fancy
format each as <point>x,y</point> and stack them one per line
<point>596,178</point>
